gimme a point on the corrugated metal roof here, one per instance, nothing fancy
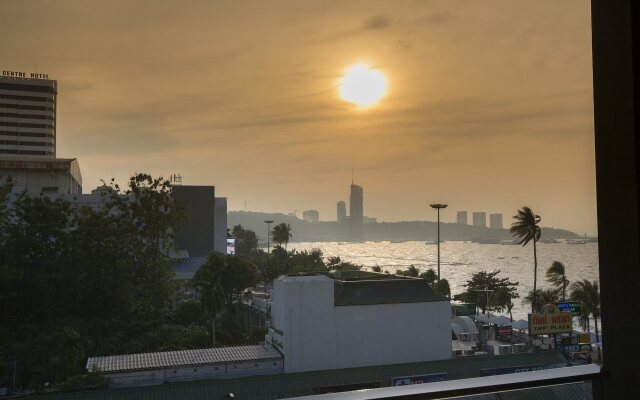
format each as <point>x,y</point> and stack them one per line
<point>186,268</point>
<point>131,362</point>
<point>387,291</point>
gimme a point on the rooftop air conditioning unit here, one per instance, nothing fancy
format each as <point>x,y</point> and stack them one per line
<point>457,352</point>
<point>464,336</point>
<point>504,349</point>
<point>519,347</point>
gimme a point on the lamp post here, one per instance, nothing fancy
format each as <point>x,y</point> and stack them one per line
<point>438,207</point>
<point>268,222</point>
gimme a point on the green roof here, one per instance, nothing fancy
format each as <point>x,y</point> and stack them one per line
<point>308,383</point>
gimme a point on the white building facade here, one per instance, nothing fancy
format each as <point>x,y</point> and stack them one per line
<point>321,323</point>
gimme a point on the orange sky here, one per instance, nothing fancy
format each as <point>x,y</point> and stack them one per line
<point>489,103</point>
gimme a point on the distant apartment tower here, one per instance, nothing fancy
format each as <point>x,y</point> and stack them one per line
<point>342,212</point>
<point>462,218</point>
<point>27,115</point>
<point>356,213</point>
<point>495,221</point>
<point>480,219</point>
<point>311,215</point>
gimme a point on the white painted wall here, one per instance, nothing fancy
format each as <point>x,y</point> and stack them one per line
<point>393,333</point>
<point>314,335</point>
<point>194,372</point>
<point>303,311</point>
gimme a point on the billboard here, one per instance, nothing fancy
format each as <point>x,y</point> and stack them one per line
<point>417,379</point>
<point>460,310</point>
<point>550,320</point>
<point>504,332</point>
<point>231,246</point>
<point>572,307</point>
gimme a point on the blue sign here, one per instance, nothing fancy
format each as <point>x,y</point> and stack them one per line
<point>417,379</point>
<point>569,306</point>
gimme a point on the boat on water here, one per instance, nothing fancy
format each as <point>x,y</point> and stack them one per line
<point>549,241</point>
<point>576,241</point>
<point>486,240</point>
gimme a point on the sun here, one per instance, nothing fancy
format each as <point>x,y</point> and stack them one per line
<point>362,85</point>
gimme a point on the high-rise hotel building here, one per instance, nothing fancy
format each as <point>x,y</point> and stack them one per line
<point>27,116</point>
<point>356,213</point>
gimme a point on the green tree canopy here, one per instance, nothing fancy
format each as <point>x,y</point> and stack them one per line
<point>543,297</point>
<point>556,275</point>
<point>281,234</point>
<point>231,273</point>
<point>483,280</point>
<point>246,241</point>
<point>526,228</point>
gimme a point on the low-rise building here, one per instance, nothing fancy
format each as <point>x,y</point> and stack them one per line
<point>187,365</point>
<point>357,319</point>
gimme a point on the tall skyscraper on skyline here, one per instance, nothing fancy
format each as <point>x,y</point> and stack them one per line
<point>461,218</point>
<point>356,213</point>
<point>495,221</point>
<point>341,212</point>
<point>27,115</point>
<point>480,219</point>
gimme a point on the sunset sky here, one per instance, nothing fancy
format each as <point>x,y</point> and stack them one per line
<point>488,105</point>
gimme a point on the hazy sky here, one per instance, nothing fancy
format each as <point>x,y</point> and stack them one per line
<point>489,103</point>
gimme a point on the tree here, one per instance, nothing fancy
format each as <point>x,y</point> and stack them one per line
<point>557,277</point>
<point>430,275</point>
<point>442,287</point>
<point>504,296</point>
<point>527,230</point>
<point>588,294</point>
<point>542,297</point>
<point>483,280</point>
<point>336,264</point>
<point>281,233</point>
<point>412,271</point>
<point>231,273</point>
<point>246,241</point>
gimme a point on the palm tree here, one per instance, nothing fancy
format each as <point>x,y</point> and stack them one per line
<point>557,277</point>
<point>281,233</point>
<point>542,297</point>
<point>588,294</point>
<point>526,229</point>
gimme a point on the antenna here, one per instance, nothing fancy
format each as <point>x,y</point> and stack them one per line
<point>352,175</point>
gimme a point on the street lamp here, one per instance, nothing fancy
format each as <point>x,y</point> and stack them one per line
<point>438,207</point>
<point>268,222</point>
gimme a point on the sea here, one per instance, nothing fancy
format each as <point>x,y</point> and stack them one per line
<point>460,259</point>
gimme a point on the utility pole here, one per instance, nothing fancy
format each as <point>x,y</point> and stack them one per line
<point>438,207</point>
<point>268,222</point>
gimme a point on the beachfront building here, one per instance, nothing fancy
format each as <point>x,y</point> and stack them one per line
<point>480,219</point>
<point>461,218</point>
<point>357,319</point>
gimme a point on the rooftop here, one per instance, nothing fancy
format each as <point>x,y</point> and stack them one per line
<point>218,355</point>
<point>186,268</point>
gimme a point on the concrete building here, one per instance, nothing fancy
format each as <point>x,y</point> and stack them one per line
<point>462,218</point>
<point>495,221</point>
<point>36,175</point>
<point>341,212</point>
<point>311,215</point>
<point>220,225</point>
<point>187,365</point>
<point>27,115</point>
<point>197,236</point>
<point>356,213</point>
<point>480,219</point>
<point>352,318</point>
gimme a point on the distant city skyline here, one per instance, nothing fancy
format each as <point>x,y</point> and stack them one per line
<point>482,110</point>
